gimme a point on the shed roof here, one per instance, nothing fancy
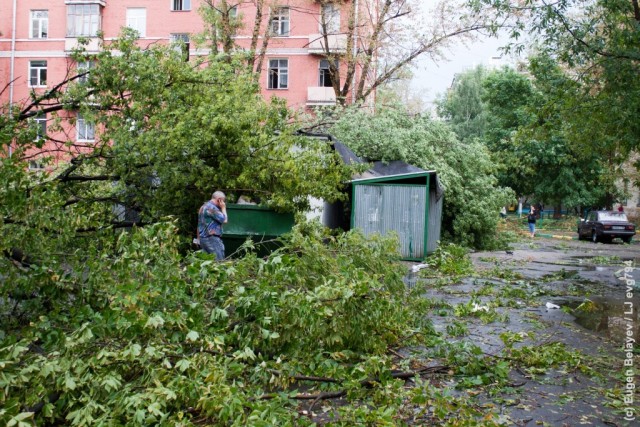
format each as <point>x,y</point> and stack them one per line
<point>395,170</point>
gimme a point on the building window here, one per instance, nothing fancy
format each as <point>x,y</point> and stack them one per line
<point>330,18</point>
<point>180,4</point>
<point>325,73</point>
<point>37,73</point>
<point>39,24</point>
<point>137,20</point>
<point>83,70</point>
<point>180,43</point>
<point>40,123</point>
<point>83,20</point>
<point>280,22</point>
<point>85,130</point>
<point>231,20</point>
<point>278,73</point>
<point>36,166</point>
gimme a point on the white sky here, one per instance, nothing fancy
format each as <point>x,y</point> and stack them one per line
<point>432,79</point>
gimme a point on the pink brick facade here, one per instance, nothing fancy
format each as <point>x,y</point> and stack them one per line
<point>21,49</point>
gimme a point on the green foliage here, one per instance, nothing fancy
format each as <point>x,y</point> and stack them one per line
<point>144,336</point>
<point>564,172</point>
<point>520,120</point>
<point>463,106</point>
<point>448,408</point>
<point>472,198</point>
<point>591,99</point>
<point>474,368</point>
<point>450,259</point>
<point>457,329</point>
<point>539,358</point>
<point>169,132</point>
<point>486,312</point>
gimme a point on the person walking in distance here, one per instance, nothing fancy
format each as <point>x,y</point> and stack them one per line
<point>211,215</point>
<point>531,219</point>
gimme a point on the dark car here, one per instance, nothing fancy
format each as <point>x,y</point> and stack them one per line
<point>604,226</point>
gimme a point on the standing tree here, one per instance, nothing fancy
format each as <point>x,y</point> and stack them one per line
<point>597,45</point>
<point>370,45</point>
<point>512,114</point>
<point>223,23</point>
<point>385,36</point>
<point>463,106</point>
<point>507,96</point>
<point>563,174</point>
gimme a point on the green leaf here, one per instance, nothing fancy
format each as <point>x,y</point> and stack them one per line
<point>154,322</point>
<point>18,420</point>
<point>183,365</point>
<point>69,382</point>
<point>193,336</point>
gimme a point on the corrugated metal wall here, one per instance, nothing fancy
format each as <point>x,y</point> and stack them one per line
<point>435,219</point>
<point>400,208</point>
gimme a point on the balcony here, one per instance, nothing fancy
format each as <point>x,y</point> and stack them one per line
<point>337,43</point>
<point>71,43</point>
<point>102,3</point>
<point>321,96</point>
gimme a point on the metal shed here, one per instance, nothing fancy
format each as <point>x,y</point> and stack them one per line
<point>408,203</point>
<point>390,196</point>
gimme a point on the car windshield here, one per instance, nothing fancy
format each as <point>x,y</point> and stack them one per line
<point>612,216</point>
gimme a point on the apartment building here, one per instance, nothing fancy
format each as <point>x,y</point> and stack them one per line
<point>37,37</point>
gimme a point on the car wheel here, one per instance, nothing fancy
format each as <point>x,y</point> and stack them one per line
<point>627,239</point>
<point>594,236</point>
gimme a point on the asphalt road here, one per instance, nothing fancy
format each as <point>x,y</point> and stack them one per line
<point>560,275</point>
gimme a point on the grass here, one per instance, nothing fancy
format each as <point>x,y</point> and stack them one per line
<point>515,226</point>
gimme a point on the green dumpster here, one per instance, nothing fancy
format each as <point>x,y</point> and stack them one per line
<point>260,224</point>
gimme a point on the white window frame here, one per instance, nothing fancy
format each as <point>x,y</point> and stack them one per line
<point>137,20</point>
<point>36,166</point>
<point>180,43</point>
<point>180,5</point>
<point>83,67</point>
<point>38,73</point>
<point>179,38</point>
<point>85,131</point>
<point>83,19</point>
<point>39,25</point>
<point>331,14</point>
<point>281,68</point>
<point>40,122</point>
<point>281,22</point>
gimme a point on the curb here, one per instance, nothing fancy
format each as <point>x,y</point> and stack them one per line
<point>561,237</point>
<point>555,236</point>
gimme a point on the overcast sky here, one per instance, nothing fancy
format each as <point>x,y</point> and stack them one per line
<point>432,79</point>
